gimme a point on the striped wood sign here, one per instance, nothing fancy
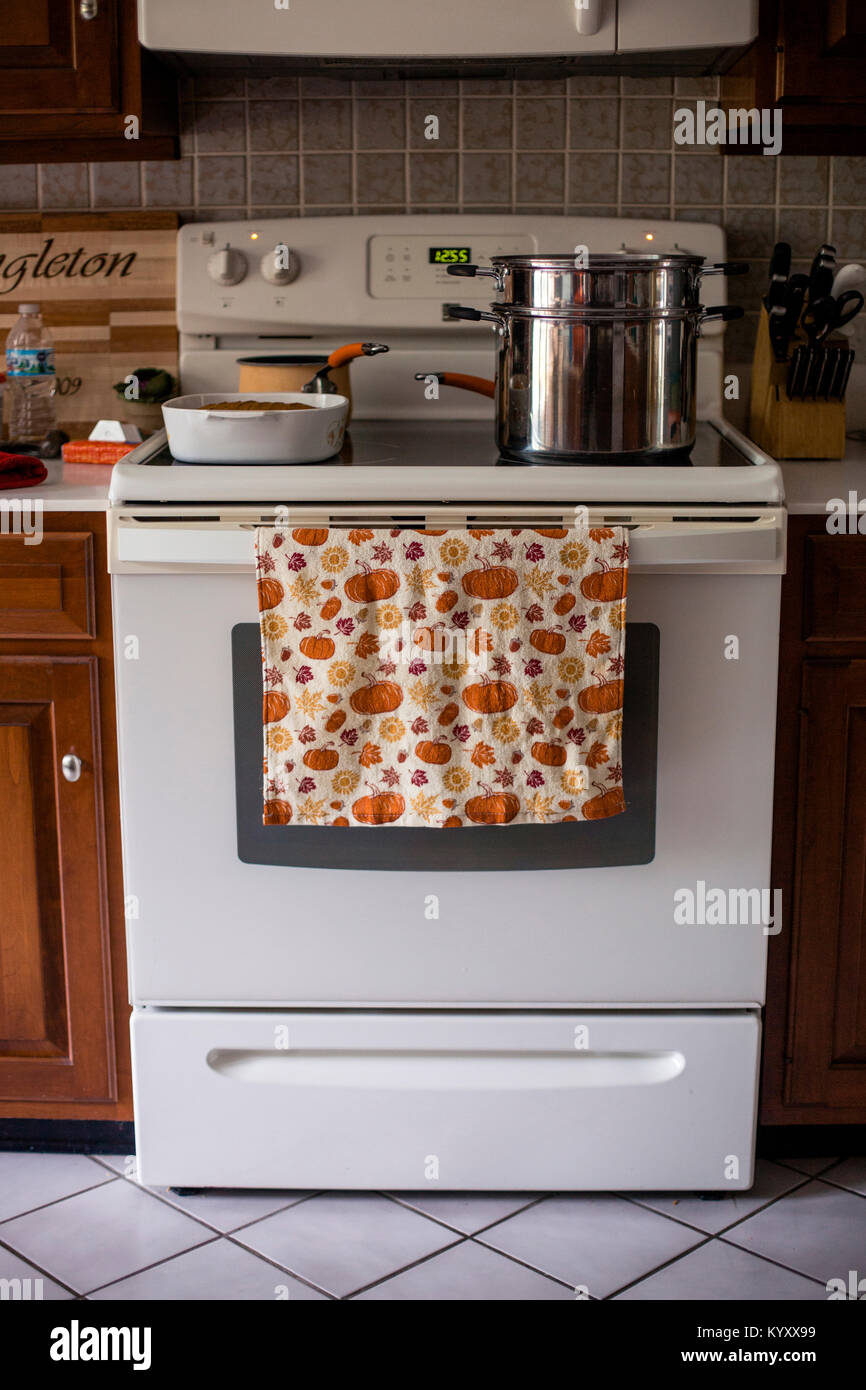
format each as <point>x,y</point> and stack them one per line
<point>106,284</point>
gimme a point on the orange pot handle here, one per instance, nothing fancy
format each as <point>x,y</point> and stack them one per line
<point>479,384</point>
<point>341,355</point>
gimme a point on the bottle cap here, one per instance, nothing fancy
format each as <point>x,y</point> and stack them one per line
<point>28,308</point>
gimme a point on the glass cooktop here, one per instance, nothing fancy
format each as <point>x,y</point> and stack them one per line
<point>463,443</point>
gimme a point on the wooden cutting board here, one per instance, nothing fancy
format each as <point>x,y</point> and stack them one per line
<point>106,284</point>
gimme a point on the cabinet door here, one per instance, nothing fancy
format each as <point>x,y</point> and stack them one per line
<point>827,1042</point>
<point>56,1029</point>
<point>814,65</point>
<point>52,58</point>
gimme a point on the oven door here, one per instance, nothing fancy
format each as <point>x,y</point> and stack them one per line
<point>224,911</point>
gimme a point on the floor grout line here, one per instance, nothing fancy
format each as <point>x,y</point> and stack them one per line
<point>39,1268</point>
<point>55,1201</point>
<point>413,1264</point>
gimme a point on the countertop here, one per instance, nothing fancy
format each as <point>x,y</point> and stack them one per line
<point>70,487</point>
<point>809,483</point>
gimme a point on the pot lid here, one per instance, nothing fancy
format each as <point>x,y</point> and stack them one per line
<point>615,260</point>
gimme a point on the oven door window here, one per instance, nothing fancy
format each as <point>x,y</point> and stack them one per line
<point>624,839</point>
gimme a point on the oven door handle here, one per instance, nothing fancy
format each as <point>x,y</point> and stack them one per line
<point>755,544</point>
<point>735,545</point>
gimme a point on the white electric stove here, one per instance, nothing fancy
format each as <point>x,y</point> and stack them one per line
<point>526,1007</point>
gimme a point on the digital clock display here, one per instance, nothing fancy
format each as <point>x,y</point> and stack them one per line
<point>449,255</point>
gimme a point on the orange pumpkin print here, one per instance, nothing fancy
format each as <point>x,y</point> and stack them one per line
<point>271,594</point>
<point>451,822</point>
<point>603,698</point>
<point>549,754</point>
<point>275,706</point>
<point>552,533</point>
<point>609,802</point>
<point>448,714</point>
<point>330,609</point>
<point>445,602</point>
<point>382,808</point>
<point>378,697</point>
<point>493,808</point>
<point>491,581</point>
<point>563,605</point>
<point>432,639</point>
<point>335,721</point>
<point>371,586</point>
<point>277,812</point>
<point>321,759</point>
<point>318,648</point>
<point>547,640</point>
<point>490,697</point>
<point>430,752</point>
<point>563,717</point>
<point>309,536</point>
<point>606,586</point>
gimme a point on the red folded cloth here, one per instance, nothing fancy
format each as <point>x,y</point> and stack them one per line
<point>20,470</point>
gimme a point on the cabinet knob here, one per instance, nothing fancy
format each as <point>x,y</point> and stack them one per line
<point>88,9</point>
<point>71,767</point>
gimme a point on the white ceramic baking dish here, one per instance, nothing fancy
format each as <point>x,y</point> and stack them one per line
<point>255,436</point>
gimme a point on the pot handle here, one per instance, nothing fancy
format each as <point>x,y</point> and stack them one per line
<point>723,312</point>
<point>341,355</point>
<point>461,311</point>
<point>479,384</point>
<point>725,268</point>
<point>470,271</point>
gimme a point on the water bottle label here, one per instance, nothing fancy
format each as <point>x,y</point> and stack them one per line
<point>30,361</point>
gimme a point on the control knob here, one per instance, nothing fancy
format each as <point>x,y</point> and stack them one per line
<point>227,266</point>
<point>280,266</point>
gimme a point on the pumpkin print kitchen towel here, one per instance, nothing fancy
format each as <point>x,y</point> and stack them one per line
<point>442,678</point>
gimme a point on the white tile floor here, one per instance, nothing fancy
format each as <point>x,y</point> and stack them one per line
<point>87,1229</point>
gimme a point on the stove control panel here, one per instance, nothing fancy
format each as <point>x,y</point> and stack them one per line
<point>416,267</point>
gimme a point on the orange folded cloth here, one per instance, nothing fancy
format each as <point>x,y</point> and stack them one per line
<point>20,470</point>
<point>95,450</point>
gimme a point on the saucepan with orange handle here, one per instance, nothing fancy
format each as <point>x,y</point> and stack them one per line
<point>304,371</point>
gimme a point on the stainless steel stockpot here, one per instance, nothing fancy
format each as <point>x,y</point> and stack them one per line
<point>597,355</point>
<point>602,386</point>
<point>622,280</point>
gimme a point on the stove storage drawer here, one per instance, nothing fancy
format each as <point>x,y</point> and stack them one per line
<point>454,1100</point>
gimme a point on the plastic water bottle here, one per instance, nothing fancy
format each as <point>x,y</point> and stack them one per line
<point>30,378</point>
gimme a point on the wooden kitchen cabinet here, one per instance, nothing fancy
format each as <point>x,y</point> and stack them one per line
<point>815,1027</point>
<point>64,1050</point>
<point>68,82</point>
<point>807,61</point>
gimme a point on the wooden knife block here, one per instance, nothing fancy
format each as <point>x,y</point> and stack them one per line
<point>795,429</point>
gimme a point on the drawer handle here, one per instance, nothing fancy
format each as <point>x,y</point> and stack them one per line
<point>88,9</point>
<point>71,767</point>
<point>368,1069</point>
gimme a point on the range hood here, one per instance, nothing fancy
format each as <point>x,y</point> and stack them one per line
<point>451,37</point>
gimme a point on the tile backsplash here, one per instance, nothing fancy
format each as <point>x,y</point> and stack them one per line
<point>281,146</point>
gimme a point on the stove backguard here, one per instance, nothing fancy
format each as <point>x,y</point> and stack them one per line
<point>625,839</point>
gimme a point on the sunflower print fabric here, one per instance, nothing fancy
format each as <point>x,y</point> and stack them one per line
<point>442,679</point>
